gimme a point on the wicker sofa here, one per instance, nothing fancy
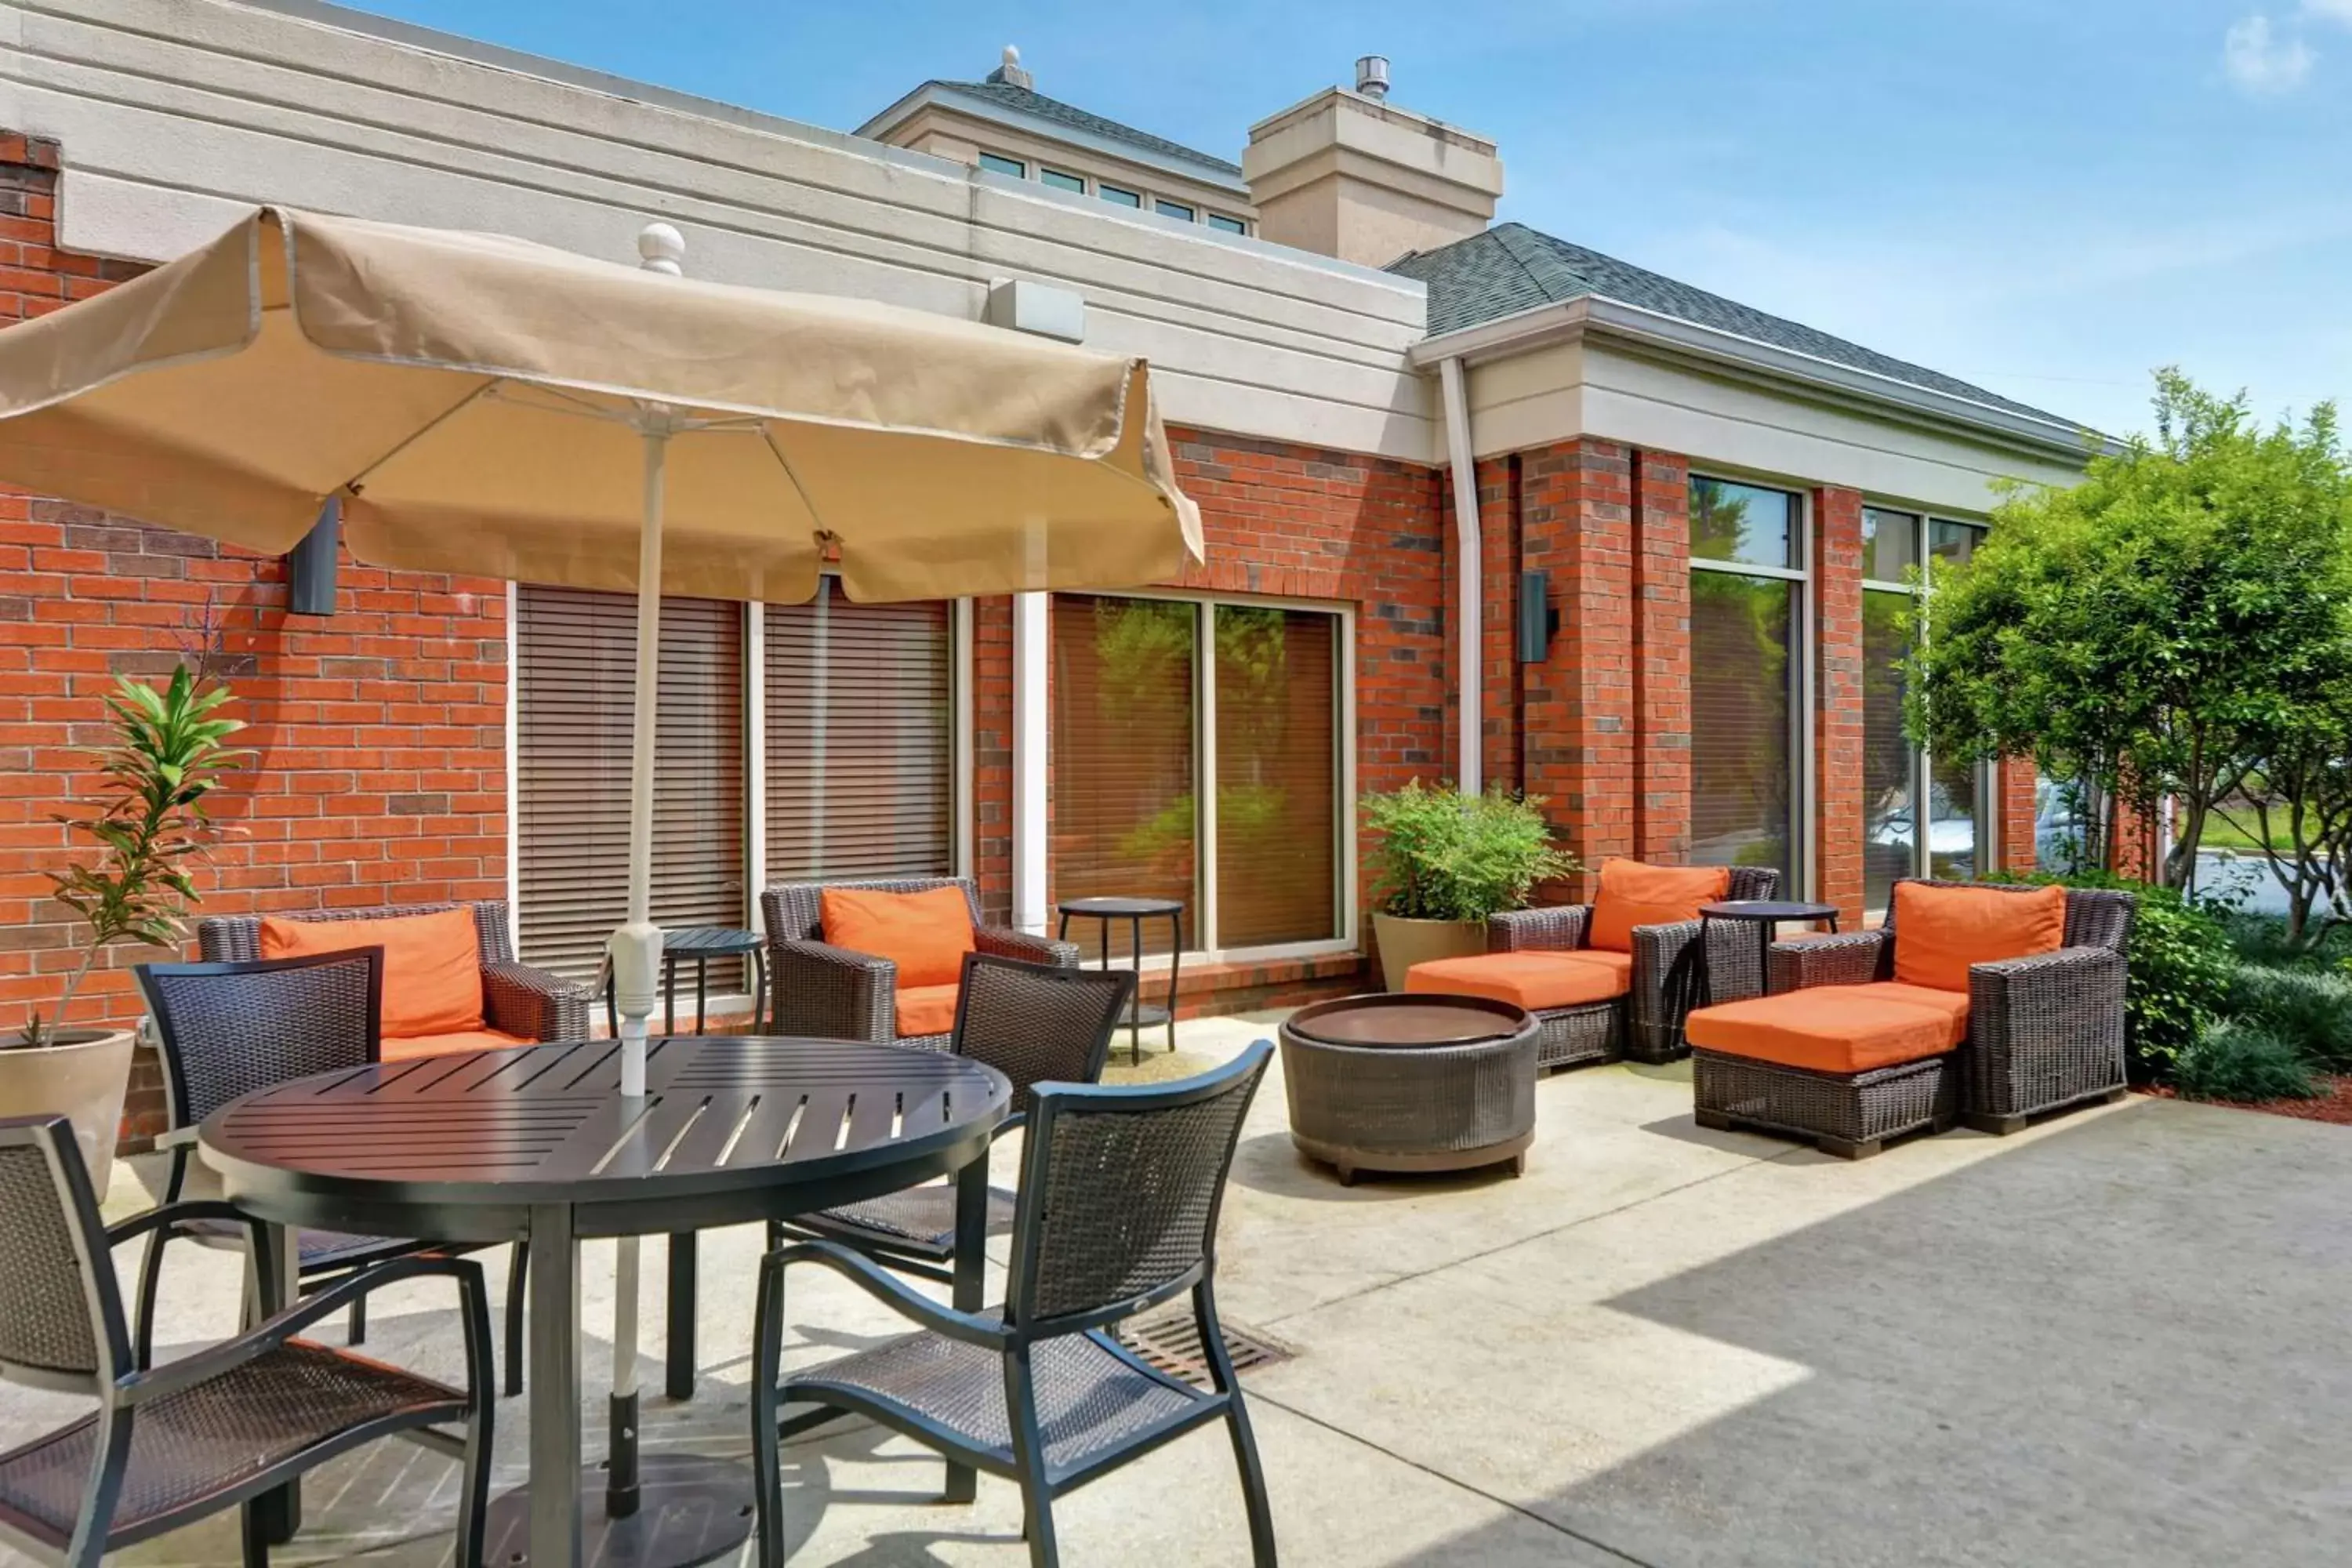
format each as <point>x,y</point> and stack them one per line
<point>2044,1033</point>
<point>518,1000</point>
<point>835,993</point>
<point>1644,1024</point>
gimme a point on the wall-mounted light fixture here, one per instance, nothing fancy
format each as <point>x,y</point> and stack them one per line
<point>1538,623</point>
<point>310,565</point>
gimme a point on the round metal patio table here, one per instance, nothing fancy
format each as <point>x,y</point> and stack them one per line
<point>538,1144</point>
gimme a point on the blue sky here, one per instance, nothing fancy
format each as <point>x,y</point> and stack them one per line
<point>2047,197</point>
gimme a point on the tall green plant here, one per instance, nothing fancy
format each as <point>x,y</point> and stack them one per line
<point>167,756</point>
<point>1440,855</point>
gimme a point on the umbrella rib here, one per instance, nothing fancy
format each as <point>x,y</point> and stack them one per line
<point>353,484</point>
<point>769,435</point>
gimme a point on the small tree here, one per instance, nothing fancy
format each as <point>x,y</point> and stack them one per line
<point>2153,631</point>
<point>167,756</point>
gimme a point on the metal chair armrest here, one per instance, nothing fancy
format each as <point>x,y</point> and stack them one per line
<point>1003,941</point>
<point>164,1215</point>
<point>177,1137</point>
<point>1849,957</point>
<point>520,1000</point>
<point>1555,928</point>
<point>188,1371</point>
<point>1012,1123</point>
<point>888,1288</point>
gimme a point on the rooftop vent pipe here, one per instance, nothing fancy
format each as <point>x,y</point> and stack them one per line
<point>1372,75</point>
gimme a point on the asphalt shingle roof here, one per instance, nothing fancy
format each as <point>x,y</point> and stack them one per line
<point>1512,268</point>
<point>1027,100</point>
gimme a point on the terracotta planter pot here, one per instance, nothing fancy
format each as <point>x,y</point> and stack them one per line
<point>82,1078</point>
<point>1403,943</point>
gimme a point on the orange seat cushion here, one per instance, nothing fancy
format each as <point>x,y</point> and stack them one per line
<point>1952,1004</point>
<point>1940,931</point>
<point>410,1046</point>
<point>1632,894</point>
<point>926,934</point>
<point>432,964</point>
<point>1826,1028</point>
<point>1535,981</point>
<point>927,1010</point>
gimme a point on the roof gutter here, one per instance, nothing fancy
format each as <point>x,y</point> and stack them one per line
<point>1572,319</point>
<point>1469,558</point>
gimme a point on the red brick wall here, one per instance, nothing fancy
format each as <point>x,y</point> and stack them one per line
<point>1577,732</point>
<point>1837,698</point>
<point>992,755</point>
<point>1662,674</point>
<point>2013,788</point>
<point>1498,543</point>
<point>380,771</point>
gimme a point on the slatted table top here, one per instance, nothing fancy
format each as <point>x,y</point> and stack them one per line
<point>764,1124</point>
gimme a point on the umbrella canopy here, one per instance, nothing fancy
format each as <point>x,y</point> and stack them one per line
<point>477,403</point>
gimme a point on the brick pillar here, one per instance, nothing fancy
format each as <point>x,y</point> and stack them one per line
<point>1662,674</point>
<point>992,755</point>
<point>1837,695</point>
<point>2013,797</point>
<point>1499,541</point>
<point>1576,522</point>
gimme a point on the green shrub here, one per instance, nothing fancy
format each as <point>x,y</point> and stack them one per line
<point>2181,967</point>
<point>2241,1059</point>
<point>1440,855</point>
<point>2310,1008</point>
<point>2261,939</point>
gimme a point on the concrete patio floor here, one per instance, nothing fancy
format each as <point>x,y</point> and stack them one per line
<point>2115,1339</point>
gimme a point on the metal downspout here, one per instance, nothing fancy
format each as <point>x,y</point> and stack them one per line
<point>1470,564</point>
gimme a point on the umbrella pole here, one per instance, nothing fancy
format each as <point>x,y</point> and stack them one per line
<point>636,954</point>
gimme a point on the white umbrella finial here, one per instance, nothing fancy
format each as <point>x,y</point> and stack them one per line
<point>661,248</point>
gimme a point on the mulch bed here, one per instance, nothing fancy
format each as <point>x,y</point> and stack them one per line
<point>2334,1106</point>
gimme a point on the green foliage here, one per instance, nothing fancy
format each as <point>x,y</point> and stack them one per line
<point>1439,855</point>
<point>2309,1007</point>
<point>2160,628</point>
<point>148,823</point>
<point>2181,968</point>
<point>2244,1060</point>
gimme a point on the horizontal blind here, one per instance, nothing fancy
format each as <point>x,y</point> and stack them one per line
<point>860,739</point>
<point>1277,775</point>
<point>575,694</point>
<point>1123,809</point>
<point>1741,671</point>
<point>1890,818</point>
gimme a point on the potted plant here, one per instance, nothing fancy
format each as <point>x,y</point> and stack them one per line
<point>166,756</point>
<point>1444,861</point>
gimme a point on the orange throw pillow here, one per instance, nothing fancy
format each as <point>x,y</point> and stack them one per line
<point>926,934</point>
<point>432,964</point>
<point>1632,894</point>
<point>1940,931</point>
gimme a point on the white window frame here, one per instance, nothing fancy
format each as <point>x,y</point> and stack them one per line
<point>755,792</point>
<point>1803,636</point>
<point>1986,788</point>
<point>1204,766</point>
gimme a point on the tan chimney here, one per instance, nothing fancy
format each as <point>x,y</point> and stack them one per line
<point>1352,175</point>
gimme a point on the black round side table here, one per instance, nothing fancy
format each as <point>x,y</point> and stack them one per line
<point>1767,915</point>
<point>698,945</point>
<point>1141,1015</point>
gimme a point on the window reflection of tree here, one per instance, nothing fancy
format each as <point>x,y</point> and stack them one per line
<point>1739,634</point>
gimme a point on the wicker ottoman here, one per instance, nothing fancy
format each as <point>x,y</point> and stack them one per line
<point>1401,1082</point>
<point>1845,1072</point>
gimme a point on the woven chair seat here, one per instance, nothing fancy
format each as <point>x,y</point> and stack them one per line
<point>1091,1396</point>
<point>187,1445</point>
<point>914,1219</point>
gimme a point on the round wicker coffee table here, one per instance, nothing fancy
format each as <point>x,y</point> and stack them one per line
<point>1406,1082</point>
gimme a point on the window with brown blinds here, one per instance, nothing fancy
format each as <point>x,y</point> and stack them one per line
<point>1742,676</point>
<point>1277,775</point>
<point>1124,808</point>
<point>860,739</point>
<point>574,684</point>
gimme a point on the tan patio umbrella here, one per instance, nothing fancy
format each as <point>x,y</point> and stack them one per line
<point>487,406</point>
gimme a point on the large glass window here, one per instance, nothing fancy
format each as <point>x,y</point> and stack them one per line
<point>1747,674</point>
<point>1150,697</point>
<point>997,164</point>
<point>1890,823</point>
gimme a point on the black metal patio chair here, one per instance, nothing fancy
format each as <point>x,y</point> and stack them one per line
<point>223,1030</point>
<point>1119,1195</point>
<point>1034,1024</point>
<point>214,1429</point>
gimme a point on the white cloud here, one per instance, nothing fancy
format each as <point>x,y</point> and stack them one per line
<point>2335,10</point>
<point>2263,62</point>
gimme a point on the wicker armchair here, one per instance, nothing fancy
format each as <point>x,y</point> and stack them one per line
<point>1034,1024</point>
<point>219,1427</point>
<point>2044,1032</point>
<point>516,999</point>
<point>223,1030</point>
<point>1119,1195</point>
<point>1644,1024</point>
<point>837,995</point>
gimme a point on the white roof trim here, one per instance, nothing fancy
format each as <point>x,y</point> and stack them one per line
<point>1564,320</point>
